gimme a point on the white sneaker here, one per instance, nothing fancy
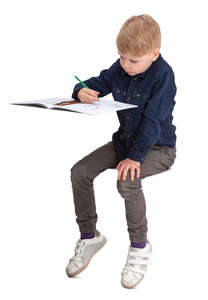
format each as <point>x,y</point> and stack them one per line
<point>85,249</point>
<point>136,265</point>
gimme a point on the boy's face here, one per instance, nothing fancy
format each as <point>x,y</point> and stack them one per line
<point>136,65</point>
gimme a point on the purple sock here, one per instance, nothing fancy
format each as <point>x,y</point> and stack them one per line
<point>87,235</point>
<point>138,245</point>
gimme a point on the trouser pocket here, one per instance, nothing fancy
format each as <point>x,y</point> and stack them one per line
<point>167,155</point>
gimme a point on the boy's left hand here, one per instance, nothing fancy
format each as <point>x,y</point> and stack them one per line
<point>126,164</point>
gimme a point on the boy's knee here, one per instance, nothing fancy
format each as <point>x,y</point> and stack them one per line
<point>78,171</point>
<point>124,186</point>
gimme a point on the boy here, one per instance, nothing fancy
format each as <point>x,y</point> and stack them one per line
<point>144,144</point>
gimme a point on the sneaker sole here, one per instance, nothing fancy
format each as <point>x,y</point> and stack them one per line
<point>132,286</point>
<point>85,266</point>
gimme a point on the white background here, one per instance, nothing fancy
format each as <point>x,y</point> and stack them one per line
<point>43,45</point>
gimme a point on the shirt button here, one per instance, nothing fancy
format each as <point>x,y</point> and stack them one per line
<point>129,98</point>
<point>127,117</point>
<point>128,136</point>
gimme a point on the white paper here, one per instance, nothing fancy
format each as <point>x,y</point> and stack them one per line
<point>100,106</point>
<point>93,108</point>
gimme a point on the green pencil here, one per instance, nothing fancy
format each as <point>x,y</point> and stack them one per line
<point>81,82</point>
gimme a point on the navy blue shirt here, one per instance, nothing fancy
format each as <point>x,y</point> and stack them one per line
<point>148,124</point>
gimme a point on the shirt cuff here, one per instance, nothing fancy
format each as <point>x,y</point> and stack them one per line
<point>136,155</point>
<point>78,87</point>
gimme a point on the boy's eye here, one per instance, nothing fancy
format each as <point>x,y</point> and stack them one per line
<point>132,61</point>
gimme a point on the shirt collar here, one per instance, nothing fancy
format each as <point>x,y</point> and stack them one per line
<point>145,73</point>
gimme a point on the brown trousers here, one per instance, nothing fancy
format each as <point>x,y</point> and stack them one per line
<point>159,159</point>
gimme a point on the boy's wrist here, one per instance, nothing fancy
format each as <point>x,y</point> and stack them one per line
<point>134,156</point>
<point>75,95</point>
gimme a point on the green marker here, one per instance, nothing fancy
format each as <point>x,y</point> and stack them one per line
<point>81,82</point>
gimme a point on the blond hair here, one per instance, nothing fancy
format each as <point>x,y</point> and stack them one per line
<point>139,35</point>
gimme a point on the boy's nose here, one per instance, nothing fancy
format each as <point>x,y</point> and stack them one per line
<point>126,66</point>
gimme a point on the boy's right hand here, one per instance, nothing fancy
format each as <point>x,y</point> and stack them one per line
<point>87,95</point>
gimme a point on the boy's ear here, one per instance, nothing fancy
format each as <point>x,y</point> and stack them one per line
<point>155,54</point>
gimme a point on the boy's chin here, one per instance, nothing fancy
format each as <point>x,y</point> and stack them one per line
<point>130,73</point>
